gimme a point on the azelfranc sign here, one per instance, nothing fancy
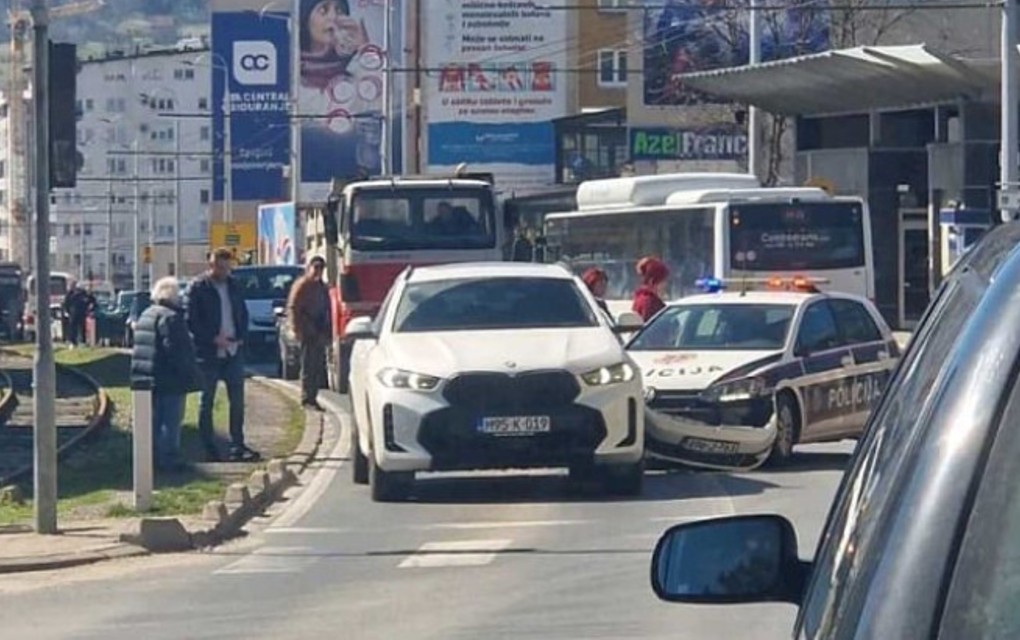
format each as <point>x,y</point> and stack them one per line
<point>687,144</point>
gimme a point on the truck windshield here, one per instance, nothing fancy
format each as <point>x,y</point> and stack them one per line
<point>420,218</point>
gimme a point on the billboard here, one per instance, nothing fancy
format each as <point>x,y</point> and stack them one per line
<point>726,142</point>
<point>684,36</point>
<point>341,89</point>
<point>496,81</point>
<point>277,234</point>
<point>251,56</point>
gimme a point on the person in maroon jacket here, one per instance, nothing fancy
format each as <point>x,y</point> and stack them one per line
<point>648,297</point>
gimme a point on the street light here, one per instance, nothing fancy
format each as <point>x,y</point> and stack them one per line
<point>228,188</point>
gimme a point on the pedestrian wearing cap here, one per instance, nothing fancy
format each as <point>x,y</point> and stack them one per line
<point>648,297</point>
<point>308,313</point>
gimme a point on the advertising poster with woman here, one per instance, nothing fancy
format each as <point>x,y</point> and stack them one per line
<point>684,36</point>
<point>341,93</point>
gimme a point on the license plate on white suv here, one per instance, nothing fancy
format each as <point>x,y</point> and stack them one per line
<point>515,425</point>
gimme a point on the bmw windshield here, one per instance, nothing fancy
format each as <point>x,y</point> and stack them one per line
<point>492,303</point>
<point>719,327</point>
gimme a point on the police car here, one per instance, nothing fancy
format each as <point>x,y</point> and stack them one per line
<point>738,375</point>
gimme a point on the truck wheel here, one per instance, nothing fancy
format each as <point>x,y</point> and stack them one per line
<point>787,430</point>
<point>388,486</point>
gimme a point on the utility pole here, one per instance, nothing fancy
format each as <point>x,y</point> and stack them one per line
<point>387,92</point>
<point>1009,154</point>
<point>109,231</point>
<point>753,115</point>
<point>152,240</point>
<point>45,388</point>
<point>177,198</point>
<point>136,263</point>
<point>81,248</point>
<point>228,168</point>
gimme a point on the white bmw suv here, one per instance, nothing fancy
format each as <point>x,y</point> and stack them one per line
<point>493,366</point>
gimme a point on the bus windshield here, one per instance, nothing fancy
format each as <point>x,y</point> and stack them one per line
<point>421,218</point>
<point>809,236</point>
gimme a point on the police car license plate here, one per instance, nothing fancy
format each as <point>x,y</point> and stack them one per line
<point>709,446</point>
<point>515,425</point>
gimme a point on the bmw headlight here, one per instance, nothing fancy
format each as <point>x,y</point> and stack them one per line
<point>737,391</point>
<point>622,372</point>
<point>400,379</point>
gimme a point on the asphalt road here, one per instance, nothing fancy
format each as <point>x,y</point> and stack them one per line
<point>506,556</point>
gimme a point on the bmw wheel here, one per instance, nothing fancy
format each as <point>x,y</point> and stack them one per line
<point>388,486</point>
<point>787,429</point>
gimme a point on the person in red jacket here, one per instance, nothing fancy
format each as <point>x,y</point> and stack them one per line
<point>648,297</point>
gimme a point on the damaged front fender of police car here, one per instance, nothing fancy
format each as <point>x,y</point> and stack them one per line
<point>729,425</point>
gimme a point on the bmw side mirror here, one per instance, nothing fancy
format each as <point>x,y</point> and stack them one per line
<point>730,560</point>
<point>628,322</point>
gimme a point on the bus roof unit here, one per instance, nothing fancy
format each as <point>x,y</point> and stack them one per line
<point>644,191</point>
<point>769,194</point>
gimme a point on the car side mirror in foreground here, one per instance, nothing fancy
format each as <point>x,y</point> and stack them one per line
<point>359,329</point>
<point>729,560</point>
<point>628,322</point>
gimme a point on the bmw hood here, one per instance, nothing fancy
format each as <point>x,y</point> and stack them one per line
<point>446,353</point>
<point>697,370</point>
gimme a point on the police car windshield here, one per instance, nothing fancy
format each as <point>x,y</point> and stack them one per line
<point>717,327</point>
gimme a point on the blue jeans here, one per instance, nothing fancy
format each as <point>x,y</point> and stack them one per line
<point>167,415</point>
<point>231,372</point>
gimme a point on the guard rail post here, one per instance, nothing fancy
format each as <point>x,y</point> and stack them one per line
<point>141,437</point>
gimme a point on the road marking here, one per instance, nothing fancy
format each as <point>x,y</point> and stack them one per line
<point>500,525</point>
<point>283,530</point>
<point>679,519</point>
<point>271,560</point>
<point>324,478</point>
<point>458,553</point>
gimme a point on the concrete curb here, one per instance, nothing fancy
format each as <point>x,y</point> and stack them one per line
<point>224,519</point>
<point>68,560</point>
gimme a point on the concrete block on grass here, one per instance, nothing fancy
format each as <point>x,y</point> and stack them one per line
<point>260,485</point>
<point>215,511</point>
<point>159,535</point>
<point>238,494</point>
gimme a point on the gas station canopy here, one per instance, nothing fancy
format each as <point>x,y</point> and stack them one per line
<point>852,81</point>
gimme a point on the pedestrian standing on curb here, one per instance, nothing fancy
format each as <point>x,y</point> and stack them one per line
<point>218,320</point>
<point>76,307</point>
<point>165,356</point>
<point>308,313</point>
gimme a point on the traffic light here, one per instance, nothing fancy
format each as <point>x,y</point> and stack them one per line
<point>63,118</point>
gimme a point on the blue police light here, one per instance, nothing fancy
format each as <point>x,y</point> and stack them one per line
<point>709,285</point>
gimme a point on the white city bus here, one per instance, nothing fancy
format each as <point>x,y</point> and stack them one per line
<point>713,225</point>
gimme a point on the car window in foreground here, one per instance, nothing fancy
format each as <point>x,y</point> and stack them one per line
<point>986,584</point>
<point>492,303</point>
<point>704,327</point>
<point>855,534</point>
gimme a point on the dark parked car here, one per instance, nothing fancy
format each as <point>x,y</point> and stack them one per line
<point>923,537</point>
<point>139,303</point>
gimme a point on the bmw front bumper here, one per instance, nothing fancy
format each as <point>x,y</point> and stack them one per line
<point>439,430</point>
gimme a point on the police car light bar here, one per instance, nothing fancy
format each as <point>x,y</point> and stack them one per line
<point>776,283</point>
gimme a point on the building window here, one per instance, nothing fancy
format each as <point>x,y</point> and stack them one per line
<point>203,104</point>
<point>203,196</point>
<point>612,67</point>
<point>203,166</point>
<point>612,5</point>
<point>203,133</point>
<point>89,104</point>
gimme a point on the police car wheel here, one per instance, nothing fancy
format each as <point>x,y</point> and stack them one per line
<point>787,430</point>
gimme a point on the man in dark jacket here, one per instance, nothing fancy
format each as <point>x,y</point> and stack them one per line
<point>164,356</point>
<point>218,321</point>
<point>77,304</point>
<point>308,313</point>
